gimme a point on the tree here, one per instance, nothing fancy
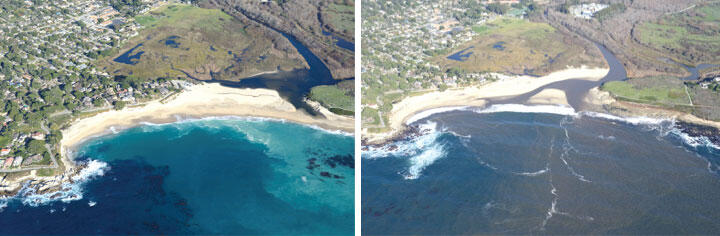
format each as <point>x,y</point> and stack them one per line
<point>36,146</point>
<point>119,105</point>
<point>497,8</point>
<point>98,102</point>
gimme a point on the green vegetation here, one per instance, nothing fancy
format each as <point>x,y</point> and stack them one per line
<point>701,98</point>
<point>341,17</point>
<point>610,11</point>
<point>187,41</point>
<point>338,98</point>
<point>691,37</point>
<point>519,46</point>
<point>654,90</point>
<point>130,7</point>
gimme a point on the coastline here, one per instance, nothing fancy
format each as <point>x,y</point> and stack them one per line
<point>206,100</point>
<point>602,101</point>
<point>477,96</point>
<point>202,101</point>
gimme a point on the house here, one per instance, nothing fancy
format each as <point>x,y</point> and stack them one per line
<point>5,151</point>
<point>8,162</point>
<point>38,136</point>
<point>32,159</point>
<point>17,161</point>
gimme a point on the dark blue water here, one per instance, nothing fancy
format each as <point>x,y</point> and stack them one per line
<point>461,55</point>
<point>130,57</point>
<point>171,42</point>
<point>500,46</point>
<point>232,176</point>
<point>540,173</point>
<point>695,71</point>
<point>340,42</point>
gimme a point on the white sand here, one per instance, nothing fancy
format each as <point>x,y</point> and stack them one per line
<point>476,96</point>
<point>206,100</point>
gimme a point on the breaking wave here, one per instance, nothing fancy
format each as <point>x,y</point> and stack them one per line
<point>423,150</point>
<point>536,173</point>
<point>519,108</point>
<point>664,126</point>
<point>69,190</point>
<point>430,112</point>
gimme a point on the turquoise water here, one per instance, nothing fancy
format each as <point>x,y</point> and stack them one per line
<point>229,176</point>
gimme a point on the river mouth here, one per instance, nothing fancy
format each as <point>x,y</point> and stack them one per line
<point>575,89</point>
<point>295,85</point>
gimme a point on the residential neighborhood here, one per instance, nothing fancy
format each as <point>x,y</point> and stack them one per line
<point>400,47</point>
<point>48,77</point>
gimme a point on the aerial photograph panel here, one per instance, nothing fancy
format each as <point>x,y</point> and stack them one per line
<point>177,117</point>
<point>540,117</point>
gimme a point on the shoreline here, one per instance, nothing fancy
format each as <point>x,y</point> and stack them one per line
<point>602,101</point>
<point>206,100</point>
<point>203,101</point>
<point>598,101</point>
<point>478,96</point>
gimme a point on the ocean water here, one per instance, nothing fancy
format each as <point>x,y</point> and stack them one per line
<point>210,176</point>
<point>515,169</point>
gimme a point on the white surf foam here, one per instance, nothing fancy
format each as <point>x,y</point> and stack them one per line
<point>532,174</point>
<point>520,108</point>
<point>69,191</point>
<point>3,204</point>
<point>427,113</point>
<point>637,120</point>
<point>694,141</point>
<point>419,162</point>
<point>423,150</point>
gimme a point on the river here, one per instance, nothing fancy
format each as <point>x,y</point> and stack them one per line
<point>292,85</point>
<point>575,89</point>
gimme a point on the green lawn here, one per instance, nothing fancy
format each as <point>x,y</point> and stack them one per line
<point>341,17</point>
<point>692,37</point>
<point>653,90</point>
<point>334,98</point>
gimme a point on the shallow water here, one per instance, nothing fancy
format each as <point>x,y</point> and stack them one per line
<point>461,55</point>
<point>340,41</point>
<point>130,57</point>
<point>230,176</point>
<point>552,170</point>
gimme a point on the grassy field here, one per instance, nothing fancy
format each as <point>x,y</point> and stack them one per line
<point>669,92</point>
<point>652,90</point>
<point>180,40</point>
<point>691,37</point>
<point>610,11</point>
<point>341,17</point>
<point>338,98</point>
<point>519,46</point>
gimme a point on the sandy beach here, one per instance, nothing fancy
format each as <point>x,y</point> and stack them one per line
<point>507,86</point>
<point>200,101</point>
